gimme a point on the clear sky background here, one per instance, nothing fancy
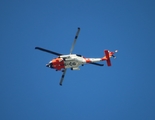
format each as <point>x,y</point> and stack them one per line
<point>30,91</point>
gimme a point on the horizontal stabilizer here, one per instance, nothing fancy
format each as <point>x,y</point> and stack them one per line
<point>108,57</point>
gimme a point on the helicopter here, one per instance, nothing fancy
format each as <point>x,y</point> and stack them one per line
<point>74,61</point>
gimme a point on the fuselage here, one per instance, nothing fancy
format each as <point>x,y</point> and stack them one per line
<point>73,61</point>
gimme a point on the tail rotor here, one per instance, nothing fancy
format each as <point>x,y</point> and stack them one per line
<point>114,53</point>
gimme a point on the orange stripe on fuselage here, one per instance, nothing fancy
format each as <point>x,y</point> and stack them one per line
<point>87,60</point>
<point>104,58</point>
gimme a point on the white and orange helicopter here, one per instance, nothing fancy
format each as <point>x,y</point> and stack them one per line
<point>74,61</point>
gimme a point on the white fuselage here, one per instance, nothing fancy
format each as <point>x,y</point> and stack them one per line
<point>74,61</point>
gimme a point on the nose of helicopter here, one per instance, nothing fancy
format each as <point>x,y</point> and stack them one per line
<point>49,65</point>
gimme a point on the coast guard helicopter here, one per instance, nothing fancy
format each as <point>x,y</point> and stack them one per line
<point>73,61</point>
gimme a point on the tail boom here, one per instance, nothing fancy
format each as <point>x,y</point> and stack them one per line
<point>106,58</point>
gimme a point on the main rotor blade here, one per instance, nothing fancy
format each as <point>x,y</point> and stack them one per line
<point>62,77</point>
<point>76,36</point>
<point>97,64</point>
<point>49,51</point>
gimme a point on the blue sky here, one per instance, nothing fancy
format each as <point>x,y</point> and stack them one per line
<point>30,91</point>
